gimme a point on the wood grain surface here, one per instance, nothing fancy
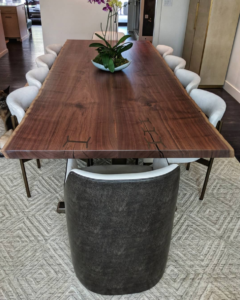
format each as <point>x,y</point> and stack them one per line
<point>143,111</point>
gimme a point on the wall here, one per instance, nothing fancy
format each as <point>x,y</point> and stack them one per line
<point>170,24</point>
<point>130,25</point>
<point>70,19</point>
<point>232,83</point>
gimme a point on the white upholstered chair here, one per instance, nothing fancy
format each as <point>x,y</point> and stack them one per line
<point>175,63</point>
<point>120,172</point>
<point>164,50</point>
<point>188,79</point>
<point>45,60</point>
<point>54,49</point>
<point>109,36</point>
<point>37,76</point>
<point>214,108</point>
<point>18,102</point>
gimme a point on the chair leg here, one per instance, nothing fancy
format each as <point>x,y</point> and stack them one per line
<point>188,167</point>
<point>119,161</point>
<point>38,164</point>
<point>25,178</point>
<point>206,178</point>
<point>90,162</point>
<point>61,207</point>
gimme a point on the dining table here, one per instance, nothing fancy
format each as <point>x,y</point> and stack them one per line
<point>142,111</point>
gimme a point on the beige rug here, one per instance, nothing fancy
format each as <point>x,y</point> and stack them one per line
<point>35,262</point>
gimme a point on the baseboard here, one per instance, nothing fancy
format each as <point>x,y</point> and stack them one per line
<point>3,52</point>
<point>23,38</point>
<point>232,90</point>
<point>210,86</point>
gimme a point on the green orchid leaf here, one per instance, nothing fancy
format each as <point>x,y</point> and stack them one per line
<point>107,51</point>
<point>99,45</point>
<point>123,39</point>
<point>105,60</point>
<point>124,44</point>
<point>111,65</point>
<point>102,38</point>
<point>119,48</point>
<point>125,48</point>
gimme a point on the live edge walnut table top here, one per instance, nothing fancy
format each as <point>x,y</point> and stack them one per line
<point>140,112</point>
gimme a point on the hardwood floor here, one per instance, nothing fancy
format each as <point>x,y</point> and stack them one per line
<point>21,59</point>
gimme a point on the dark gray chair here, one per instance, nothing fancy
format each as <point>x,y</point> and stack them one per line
<point>120,221</point>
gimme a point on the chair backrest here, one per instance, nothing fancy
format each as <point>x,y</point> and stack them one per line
<point>110,35</point>
<point>188,79</point>
<point>45,60</point>
<point>211,105</point>
<point>37,76</point>
<point>54,49</point>
<point>164,50</point>
<point>174,62</point>
<point>19,100</point>
<point>120,218</point>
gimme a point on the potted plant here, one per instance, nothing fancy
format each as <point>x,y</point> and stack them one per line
<point>109,56</point>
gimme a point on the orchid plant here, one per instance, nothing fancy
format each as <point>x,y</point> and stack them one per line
<point>110,55</point>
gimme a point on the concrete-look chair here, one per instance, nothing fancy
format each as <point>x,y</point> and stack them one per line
<point>37,76</point>
<point>54,49</point>
<point>188,79</point>
<point>120,221</point>
<point>109,35</point>
<point>45,60</point>
<point>164,50</point>
<point>18,101</point>
<point>175,63</point>
<point>214,108</point>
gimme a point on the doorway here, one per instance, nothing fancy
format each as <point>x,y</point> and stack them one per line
<point>123,14</point>
<point>33,11</point>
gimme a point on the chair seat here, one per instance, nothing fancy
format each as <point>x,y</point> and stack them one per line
<point>117,169</point>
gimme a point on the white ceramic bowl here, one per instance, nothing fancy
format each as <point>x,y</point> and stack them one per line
<point>101,67</point>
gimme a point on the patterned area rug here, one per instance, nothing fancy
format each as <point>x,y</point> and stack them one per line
<point>35,261</point>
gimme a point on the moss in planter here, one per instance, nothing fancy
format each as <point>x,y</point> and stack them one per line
<point>117,61</point>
